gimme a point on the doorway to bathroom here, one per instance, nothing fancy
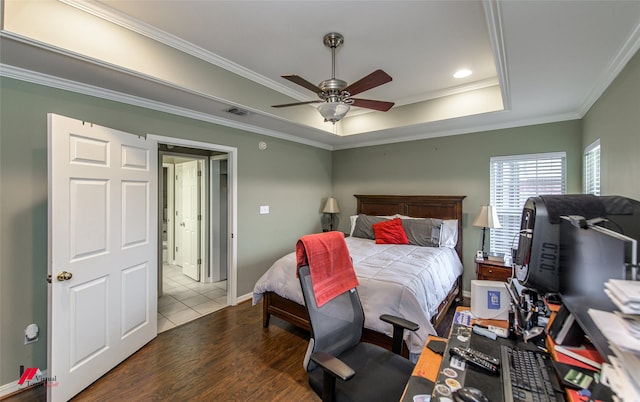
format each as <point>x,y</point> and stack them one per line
<point>194,224</point>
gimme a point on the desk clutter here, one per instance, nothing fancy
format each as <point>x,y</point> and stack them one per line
<point>622,330</point>
<point>452,374</point>
<point>502,369</point>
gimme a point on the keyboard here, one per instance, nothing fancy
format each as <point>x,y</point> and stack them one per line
<point>528,376</point>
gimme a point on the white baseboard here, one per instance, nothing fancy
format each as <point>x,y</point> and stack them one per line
<point>466,293</point>
<point>245,297</point>
<point>10,388</point>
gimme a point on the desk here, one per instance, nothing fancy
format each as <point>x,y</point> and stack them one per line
<point>424,373</point>
<point>428,365</point>
<point>429,368</point>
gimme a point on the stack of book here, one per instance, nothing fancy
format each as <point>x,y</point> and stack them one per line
<point>622,330</point>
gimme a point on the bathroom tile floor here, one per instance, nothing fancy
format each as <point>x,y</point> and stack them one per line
<point>184,299</point>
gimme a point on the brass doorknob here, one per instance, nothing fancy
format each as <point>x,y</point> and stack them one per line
<point>64,276</point>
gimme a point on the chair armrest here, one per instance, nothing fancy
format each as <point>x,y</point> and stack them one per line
<point>399,325</point>
<point>333,365</point>
<point>400,322</point>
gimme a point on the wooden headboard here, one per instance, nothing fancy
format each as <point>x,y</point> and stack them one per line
<point>417,206</point>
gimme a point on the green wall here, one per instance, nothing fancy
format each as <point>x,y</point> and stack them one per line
<point>456,165</point>
<point>615,119</point>
<point>289,177</point>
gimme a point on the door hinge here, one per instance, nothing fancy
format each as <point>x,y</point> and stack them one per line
<point>199,173</point>
<point>49,278</point>
<point>199,261</point>
<point>176,249</point>
<point>199,217</point>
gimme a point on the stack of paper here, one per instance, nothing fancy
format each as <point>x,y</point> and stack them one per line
<point>623,374</point>
<point>624,294</point>
<point>622,330</point>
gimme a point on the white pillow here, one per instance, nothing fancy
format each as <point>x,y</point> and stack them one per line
<point>449,233</point>
<point>353,218</point>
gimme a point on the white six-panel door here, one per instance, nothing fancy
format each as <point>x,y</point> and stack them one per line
<point>102,250</point>
<point>179,227</point>
<point>190,227</point>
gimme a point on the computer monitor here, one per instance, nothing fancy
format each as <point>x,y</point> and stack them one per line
<point>536,263</point>
<point>590,256</point>
<point>536,260</point>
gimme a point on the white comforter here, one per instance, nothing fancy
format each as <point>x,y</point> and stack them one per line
<point>403,280</point>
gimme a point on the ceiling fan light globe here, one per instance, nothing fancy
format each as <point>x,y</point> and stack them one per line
<point>333,111</point>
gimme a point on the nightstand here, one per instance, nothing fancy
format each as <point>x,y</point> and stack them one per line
<point>492,270</point>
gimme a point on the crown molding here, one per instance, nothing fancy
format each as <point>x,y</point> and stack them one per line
<point>619,61</point>
<point>426,133</point>
<point>121,19</point>
<point>404,134</point>
<point>494,25</point>
<point>472,86</point>
<point>102,93</point>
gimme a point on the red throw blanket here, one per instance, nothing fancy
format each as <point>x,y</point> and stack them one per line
<point>329,263</point>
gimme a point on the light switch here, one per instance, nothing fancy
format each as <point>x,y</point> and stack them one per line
<point>264,209</point>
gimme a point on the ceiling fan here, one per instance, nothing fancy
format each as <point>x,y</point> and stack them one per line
<point>335,95</point>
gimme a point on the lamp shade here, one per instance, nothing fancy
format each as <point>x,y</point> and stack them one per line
<point>333,111</point>
<point>331,207</point>
<point>487,218</point>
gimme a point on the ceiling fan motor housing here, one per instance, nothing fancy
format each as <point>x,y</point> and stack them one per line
<point>333,40</point>
<point>333,84</point>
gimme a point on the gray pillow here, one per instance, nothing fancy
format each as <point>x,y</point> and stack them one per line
<point>364,226</point>
<point>423,232</point>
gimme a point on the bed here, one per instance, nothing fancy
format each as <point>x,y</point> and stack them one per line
<point>383,272</point>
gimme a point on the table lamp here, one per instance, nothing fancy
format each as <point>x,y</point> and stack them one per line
<point>329,219</point>
<point>487,218</point>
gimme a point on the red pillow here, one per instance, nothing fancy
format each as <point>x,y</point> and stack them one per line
<point>390,232</point>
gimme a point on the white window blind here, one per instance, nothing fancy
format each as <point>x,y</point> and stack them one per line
<point>591,165</point>
<point>513,180</point>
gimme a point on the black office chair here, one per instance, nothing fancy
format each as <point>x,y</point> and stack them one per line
<point>366,372</point>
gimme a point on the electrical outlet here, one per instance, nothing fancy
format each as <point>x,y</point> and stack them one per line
<point>264,209</point>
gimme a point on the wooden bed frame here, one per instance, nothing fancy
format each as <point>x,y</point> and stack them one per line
<point>419,206</point>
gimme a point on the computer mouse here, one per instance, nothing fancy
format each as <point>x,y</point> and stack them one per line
<point>469,394</point>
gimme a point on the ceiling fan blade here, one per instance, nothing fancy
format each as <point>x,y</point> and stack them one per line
<point>297,103</point>
<point>380,106</point>
<point>372,80</point>
<point>296,79</point>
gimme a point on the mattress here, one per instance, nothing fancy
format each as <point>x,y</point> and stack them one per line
<point>403,280</point>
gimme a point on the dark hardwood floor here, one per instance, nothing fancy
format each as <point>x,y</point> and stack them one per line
<point>224,356</point>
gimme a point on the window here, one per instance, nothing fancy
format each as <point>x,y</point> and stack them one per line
<point>591,166</point>
<point>513,180</point>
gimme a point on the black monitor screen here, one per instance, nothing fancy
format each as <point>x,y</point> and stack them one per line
<point>523,254</point>
<point>590,257</point>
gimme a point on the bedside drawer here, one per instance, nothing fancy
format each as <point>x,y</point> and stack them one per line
<point>492,272</point>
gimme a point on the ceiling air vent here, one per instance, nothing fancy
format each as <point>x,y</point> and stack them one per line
<point>237,111</point>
